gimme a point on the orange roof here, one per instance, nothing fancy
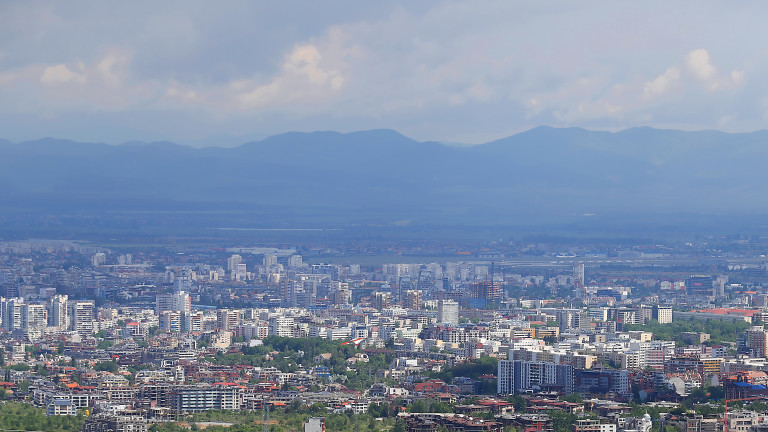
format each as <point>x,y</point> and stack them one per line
<point>729,311</point>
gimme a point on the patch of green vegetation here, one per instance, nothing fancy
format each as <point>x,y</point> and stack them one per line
<point>291,418</point>
<point>719,331</point>
<point>292,352</point>
<point>20,416</point>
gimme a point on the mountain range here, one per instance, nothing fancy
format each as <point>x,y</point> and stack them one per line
<point>381,176</point>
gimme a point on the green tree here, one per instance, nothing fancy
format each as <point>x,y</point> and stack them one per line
<point>400,426</point>
<point>107,366</point>
<point>574,398</point>
<point>561,420</point>
<point>518,402</point>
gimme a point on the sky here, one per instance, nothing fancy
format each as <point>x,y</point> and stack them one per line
<point>221,73</point>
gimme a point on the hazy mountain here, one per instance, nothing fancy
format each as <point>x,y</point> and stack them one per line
<point>379,176</point>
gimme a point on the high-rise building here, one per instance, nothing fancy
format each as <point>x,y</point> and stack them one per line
<point>342,296</point>
<point>270,260</point>
<point>699,285</point>
<point>663,314</point>
<point>34,318</point>
<point>241,273</point>
<point>80,314</point>
<point>183,282</point>
<point>281,326</point>
<point>515,376</point>
<point>295,261</point>
<point>194,322</point>
<point>578,275</point>
<point>57,311</point>
<point>299,293</point>
<point>11,310</point>
<point>227,319</point>
<point>413,299</point>
<point>381,300</point>
<point>488,291</point>
<point>718,286</point>
<point>171,321</point>
<point>98,259</point>
<point>178,301</point>
<point>233,261</point>
<point>448,312</point>
<point>757,340</point>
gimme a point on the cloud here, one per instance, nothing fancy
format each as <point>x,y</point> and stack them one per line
<point>447,70</point>
<point>304,76</point>
<point>312,74</point>
<point>111,67</point>
<point>699,64</point>
<point>60,73</point>
<point>662,84</point>
<point>104,83</point>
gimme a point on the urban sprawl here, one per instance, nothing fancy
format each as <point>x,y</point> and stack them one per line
<point>504,337</point>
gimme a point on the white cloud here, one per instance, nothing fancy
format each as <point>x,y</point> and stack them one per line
<point>699,64</point>
<point>61,73</point>
<point>662,84</point>
<point>311,74</point>
<point>429,70</point>
<point>110,67</point>
<point>103,84</point>
<point>304,76</point>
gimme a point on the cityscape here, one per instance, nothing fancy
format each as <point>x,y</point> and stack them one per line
<point>400,216</point>
<point>505,336</point>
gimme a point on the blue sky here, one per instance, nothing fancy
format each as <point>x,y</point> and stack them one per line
<point>458,71</point>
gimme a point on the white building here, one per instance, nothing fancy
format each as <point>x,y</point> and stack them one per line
<point>80,314</point>
<point>57,312</point>
<point>448,312</point>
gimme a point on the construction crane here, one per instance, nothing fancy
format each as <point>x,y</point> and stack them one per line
<point>726,400</point>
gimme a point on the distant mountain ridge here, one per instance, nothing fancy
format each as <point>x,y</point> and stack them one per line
<point>377,175</point>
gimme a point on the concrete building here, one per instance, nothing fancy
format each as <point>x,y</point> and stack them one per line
<point>189,399</point>
<point>755,339</point>
<point>663,314</point>
<point>60,407</point>
<point>227,319</point>
<point>413,299</point>
<point>115,423</point>
<point>315,424</point>
<point>519,376</point>
<point>448,312</point>
<point>57,311</point>
<point>34,319</point>
<point>80,314</point>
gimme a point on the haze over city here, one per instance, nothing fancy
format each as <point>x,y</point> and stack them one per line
<point>488,216</point>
